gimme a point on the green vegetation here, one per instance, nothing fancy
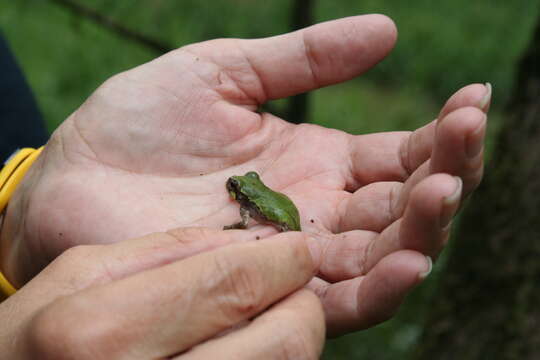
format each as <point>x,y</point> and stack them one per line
<point>442,46</point>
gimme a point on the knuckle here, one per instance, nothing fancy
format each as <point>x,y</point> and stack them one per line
<point>405,153</point>
<point>240,287</point>
<point>44,336</point>
<point>76,267</point>
<point>73,256</point>
<point>67,330</point>
<point>53,335</point>
<point>396,205</point>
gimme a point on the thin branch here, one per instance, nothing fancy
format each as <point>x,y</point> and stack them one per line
<point>110,24</point>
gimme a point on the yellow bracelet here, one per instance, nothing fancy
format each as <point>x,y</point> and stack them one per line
<point>11,175</point>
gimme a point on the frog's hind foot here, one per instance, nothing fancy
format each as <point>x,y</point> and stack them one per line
<point>238,225</point>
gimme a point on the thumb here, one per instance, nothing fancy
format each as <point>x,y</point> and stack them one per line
<point>83,266</point>
<point>293,63</point>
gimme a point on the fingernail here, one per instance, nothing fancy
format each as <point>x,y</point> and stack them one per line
<point>486,99</point>
<point>425,274</point>
<point>450,204</point>
<point>475,140</point>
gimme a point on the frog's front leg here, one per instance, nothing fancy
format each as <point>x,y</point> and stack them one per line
<point>244,214</point>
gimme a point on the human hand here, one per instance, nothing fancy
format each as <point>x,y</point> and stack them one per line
<point>149,298</point>
<point>153,147</point>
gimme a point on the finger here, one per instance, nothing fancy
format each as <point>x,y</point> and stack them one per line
<point>376,206</point>
<point>423,228</point>
<point>180,304</point>
<point>417,147</point>
<point>424,225</point>
<point>394,156</point>
<point>474,95</point>
<point>362,302</point>
<point>135,255</point>
<point>371,207</point>
<point>344,255</point>
<point>320,55</point>
<point>100,264</point>
<point>458,151</point>
<point>459,146</point>
<point>81,267</point>
<point>307,59</point>
<point>292,329</point>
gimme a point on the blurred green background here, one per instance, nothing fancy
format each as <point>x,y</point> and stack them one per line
<point>442,46</point>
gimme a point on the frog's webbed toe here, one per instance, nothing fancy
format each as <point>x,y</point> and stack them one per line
<point>244,214</point>
<point>283,228</point>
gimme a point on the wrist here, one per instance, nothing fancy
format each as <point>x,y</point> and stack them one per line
<point>17,179</point>
<point>10,225</point>
<point>3,294</point>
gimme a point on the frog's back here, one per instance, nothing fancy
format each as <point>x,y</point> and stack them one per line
<point>279,209</point>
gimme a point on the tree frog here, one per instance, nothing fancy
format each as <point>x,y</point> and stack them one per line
<point>261,203</point>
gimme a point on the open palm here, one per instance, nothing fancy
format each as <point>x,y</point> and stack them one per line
<point>152,148</point>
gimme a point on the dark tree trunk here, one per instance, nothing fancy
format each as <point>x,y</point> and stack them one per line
<point>488,306</point>
<point>302,16</point>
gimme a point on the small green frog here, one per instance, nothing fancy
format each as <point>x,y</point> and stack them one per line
<point>261,203</point>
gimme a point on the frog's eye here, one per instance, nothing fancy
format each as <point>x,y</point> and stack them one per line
<point>232,183</point>
<point>252,174</point>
